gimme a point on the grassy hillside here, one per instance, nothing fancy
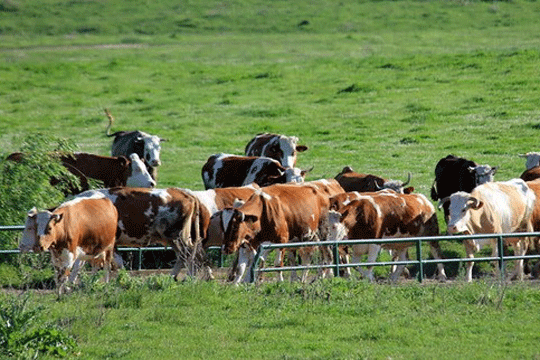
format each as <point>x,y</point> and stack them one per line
<point>388,87</point>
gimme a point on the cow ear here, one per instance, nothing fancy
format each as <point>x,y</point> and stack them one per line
<point>57,217</point>
<point>251,218</point>
<point>123,161</point>
<point>139,139</point>
<point>33,212</point>
<point>477,204</point>
<point>408,190</point>
<point>301,148</point>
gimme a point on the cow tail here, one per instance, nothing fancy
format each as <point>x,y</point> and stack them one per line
<point>434,194</point>
<point>111,120</point>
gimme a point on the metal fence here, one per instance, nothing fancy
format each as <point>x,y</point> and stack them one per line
<point>336,266</point>
<point>136,251</point>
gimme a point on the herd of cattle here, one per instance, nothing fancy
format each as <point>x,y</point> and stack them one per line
<point>261,197</point>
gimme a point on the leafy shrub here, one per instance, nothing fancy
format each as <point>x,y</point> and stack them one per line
<point>26,184</point>
<point>24,336</point>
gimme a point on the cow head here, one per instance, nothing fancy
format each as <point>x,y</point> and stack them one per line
<point>461,204</point>
<point>532,159</point>
<point>336,228</point>
<point>138,175</point>
<point>285,150</point>
<point>240,229</point>
<point>152,146</point>
<point>295,175</point>
<point>483,173</point>
<point>397,185</point>
<point>40,231</point>
<point>29,236</point>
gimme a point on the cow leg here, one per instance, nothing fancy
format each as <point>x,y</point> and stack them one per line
<point>402,256</point>
<point>278,262</point>
<point>520,248</point>
<point>435,249</point>
<point>373,252</point>
<point>305,255</point>
<point>346,261</point>
<point>470,249</point>
<point>245,261</point>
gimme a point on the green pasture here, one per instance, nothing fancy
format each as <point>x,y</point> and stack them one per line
<point>387,87</point>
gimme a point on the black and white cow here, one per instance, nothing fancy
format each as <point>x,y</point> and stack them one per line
<point>454,174</point>
<point>278,147</point>
<point>226,170</point>
<point>147,146</point>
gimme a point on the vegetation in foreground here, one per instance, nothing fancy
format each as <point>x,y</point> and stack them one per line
<point>135,318</point>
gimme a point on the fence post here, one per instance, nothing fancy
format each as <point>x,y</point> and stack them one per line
<point>500,247</point>
<point>140,259</point>
<point>419,258</point>
<point>336,260</point>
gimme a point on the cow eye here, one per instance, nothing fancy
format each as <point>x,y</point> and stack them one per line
<point>254,170</point>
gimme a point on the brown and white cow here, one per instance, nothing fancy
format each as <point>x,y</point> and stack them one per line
<point>169,217</point>
<point>79,230</point>
<point>225,170</point>
<point>276,214</point>
<point>532,165</point>
<point>353,181</point>
<point>113,171</point>
<point>278,147</point>
<point>492,208</point>
<point>386,214</point>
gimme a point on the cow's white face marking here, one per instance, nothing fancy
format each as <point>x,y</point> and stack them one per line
<point>288,146</point>
<point>459,212</point>
<point>29,236</point>
<point>533,160</point>
<point>139,177</point>
<point>484,174</point>
<point>294,175</point>
<point>226,216</point>
<point>152,148</point>
<point>337,230</point>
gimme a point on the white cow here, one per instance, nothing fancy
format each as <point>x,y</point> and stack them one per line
<point>494,207</point>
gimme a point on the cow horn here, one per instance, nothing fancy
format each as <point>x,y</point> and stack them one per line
<point>408,181</point>
<point>443,201</point>
<point>522,155</point>
<point>494,169</point>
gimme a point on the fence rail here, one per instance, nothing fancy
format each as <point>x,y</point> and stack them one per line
<point>336,266</point>
<point>335,244</point>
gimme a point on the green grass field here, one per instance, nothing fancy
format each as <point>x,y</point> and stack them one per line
<point>387,87</point>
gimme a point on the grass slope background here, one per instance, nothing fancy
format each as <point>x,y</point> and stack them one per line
<point>388,87</point>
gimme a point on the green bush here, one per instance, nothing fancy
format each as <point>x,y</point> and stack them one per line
<point>26,184</point>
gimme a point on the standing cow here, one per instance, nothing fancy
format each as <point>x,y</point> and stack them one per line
<point>386,214</point>
<point>169,217</point>
<point>146,146</point>
<point>278,147</point>
<point>277,214</point>
<point>78,230</point>
<point>225,170</point>
<point>454,174</point>
<point>492,208</point>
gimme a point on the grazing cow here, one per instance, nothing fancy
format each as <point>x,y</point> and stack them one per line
<point>225,170</point>
<point>492,208</point>
<point>278,147</point>
<point>353,181</point>
<point>79,230</point>
<point>145,145</point>
<point>454,174</point>
<point>276,214</point>
<point>169,217</point>
<point>386,214</point>
<point>113,171</point>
